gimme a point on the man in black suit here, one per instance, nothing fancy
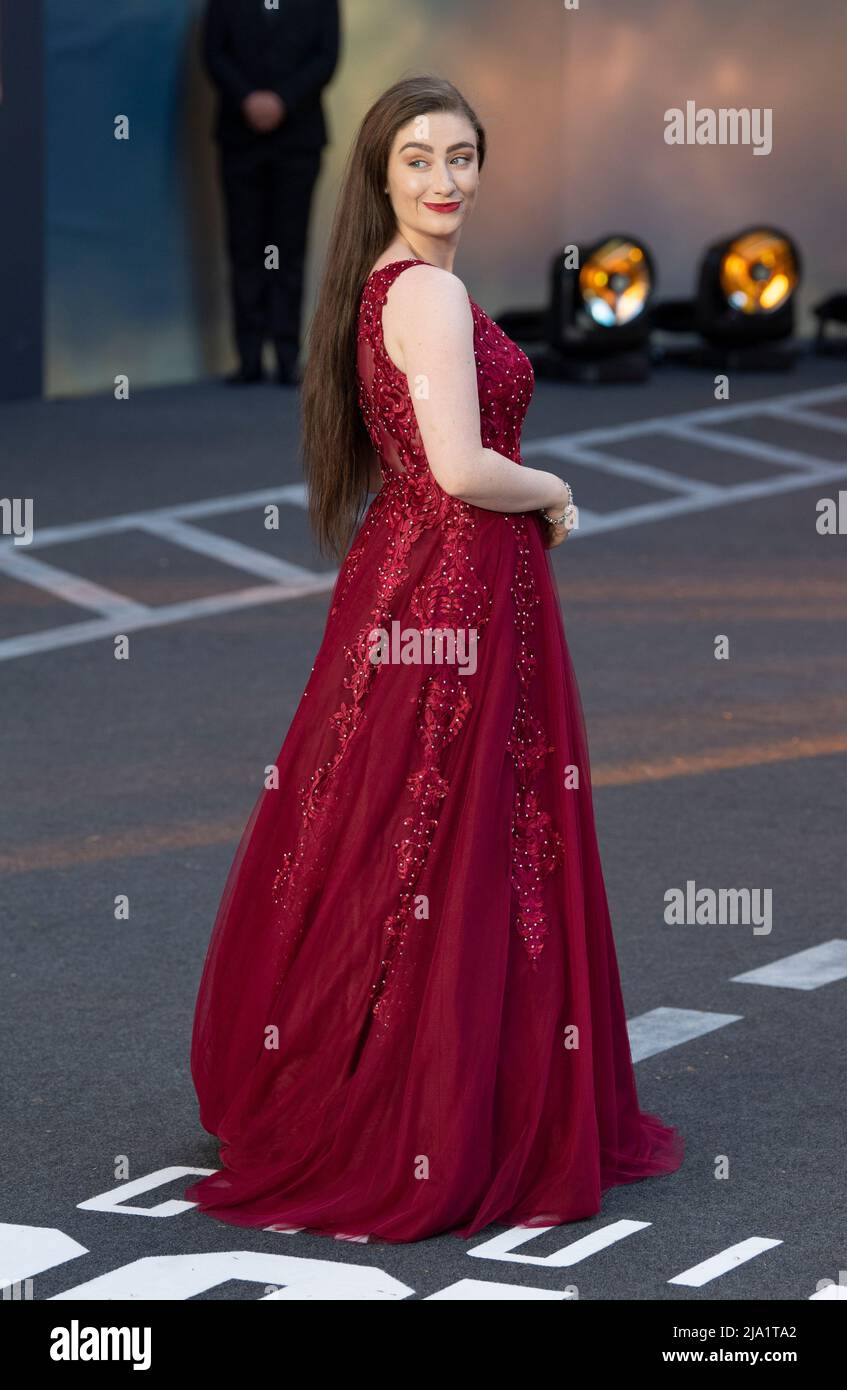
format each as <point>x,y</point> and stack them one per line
<point>270,60</point>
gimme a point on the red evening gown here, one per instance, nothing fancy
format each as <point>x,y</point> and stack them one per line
<point>410,1017</point>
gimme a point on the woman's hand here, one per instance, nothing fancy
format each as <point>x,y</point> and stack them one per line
<point>554,535</point>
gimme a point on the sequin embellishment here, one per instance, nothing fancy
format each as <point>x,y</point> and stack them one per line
<point>537,848</point>
<point>452,597</point>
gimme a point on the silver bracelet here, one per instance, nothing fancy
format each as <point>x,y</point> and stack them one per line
<point>558,521</point>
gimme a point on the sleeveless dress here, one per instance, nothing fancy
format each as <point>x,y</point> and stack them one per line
<point>410,1017</point>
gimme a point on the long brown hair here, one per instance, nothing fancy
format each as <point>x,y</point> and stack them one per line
<point>335,444</point>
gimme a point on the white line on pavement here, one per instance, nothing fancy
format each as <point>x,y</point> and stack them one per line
<point>660,1029</point>
<point>120,613</point>
<point>815,419</point>
<point>72,634</point>
<point>810,969</point>
<point>740,444</point>
<point>228,552</point>
<point>724,1261</point>
<point>624,468</point>
<point>502,1247</point>
<point>83,593</point>
<point>479,1291</point>
<point>292,494</point>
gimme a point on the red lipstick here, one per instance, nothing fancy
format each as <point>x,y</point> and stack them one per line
<point>443,207</point>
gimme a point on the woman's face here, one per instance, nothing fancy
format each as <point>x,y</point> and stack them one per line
<point>433,164</point>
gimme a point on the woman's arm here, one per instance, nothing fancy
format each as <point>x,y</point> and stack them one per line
<point>428,314</point>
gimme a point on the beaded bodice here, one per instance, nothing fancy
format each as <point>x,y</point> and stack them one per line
<point>504,377</point>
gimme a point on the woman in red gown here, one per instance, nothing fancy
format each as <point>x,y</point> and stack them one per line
<point>410,1017</point>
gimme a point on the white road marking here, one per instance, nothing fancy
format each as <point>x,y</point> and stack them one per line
<point>29,1250</point>
<point>97,629</point>
<point>720,497</point>
<point>718,413</point>
<point>819,965</point>
<point>84,593</point>
<point>292,495</point>
<point>724,1261</point>
<point>503,1246</point>
<point>698,427</point>
<point>740,444</point>
<point>119,613</point>
<point>624,468</point>
<point>182,1277</point>
<point>226,551</point>
<point>814,418</point>
<point>660,1029</point>
<point>477,1291</point>
<point>115,1199</point>
<point>831,1292</point>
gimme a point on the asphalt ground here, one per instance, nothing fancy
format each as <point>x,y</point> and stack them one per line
<point>137,777</point>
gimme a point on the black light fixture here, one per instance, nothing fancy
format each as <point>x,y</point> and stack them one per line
<point>831,313</point>
<point>598,319</point>
<point>744,308</point>
<point>596,324</point>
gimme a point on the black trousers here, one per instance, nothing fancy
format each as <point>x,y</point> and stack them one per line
<point>268,198</point>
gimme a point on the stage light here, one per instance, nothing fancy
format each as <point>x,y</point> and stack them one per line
<point>598,319</point>
<point>758,272</point>
<point>615,282</point>
<point>744,307</point>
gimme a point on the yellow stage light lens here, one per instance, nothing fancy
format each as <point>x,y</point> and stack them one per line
<point>615,282</point>
<point>758,272</point>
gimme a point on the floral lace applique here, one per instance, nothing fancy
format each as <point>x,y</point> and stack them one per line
<point>453,597</point>
<point>408,504</point>
<point>443,708</point>
<point>537,848</point>
<point>406,524</point>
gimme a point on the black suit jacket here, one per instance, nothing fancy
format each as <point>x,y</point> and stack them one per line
<point>292,51</point>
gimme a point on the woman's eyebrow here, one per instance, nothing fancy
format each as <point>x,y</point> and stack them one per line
<point>418,145</point>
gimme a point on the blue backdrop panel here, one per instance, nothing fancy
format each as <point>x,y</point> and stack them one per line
<point>118,268</point>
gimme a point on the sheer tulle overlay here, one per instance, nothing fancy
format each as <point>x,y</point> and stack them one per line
<point>410,1017</point>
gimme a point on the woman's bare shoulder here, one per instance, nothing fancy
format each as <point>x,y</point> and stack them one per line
<point>426,305</point>
<point>426,279</point>
<point>425,288</point>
